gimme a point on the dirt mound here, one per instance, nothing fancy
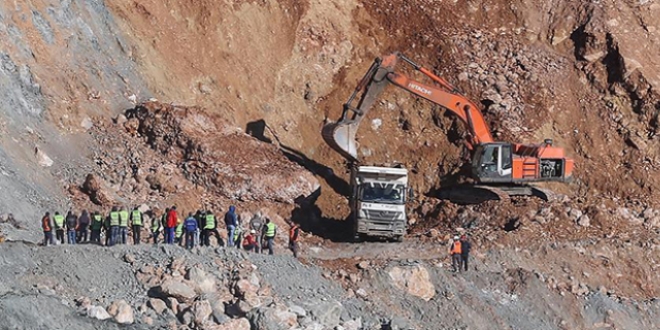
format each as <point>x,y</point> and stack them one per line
<point>221,158</point>
<point>161,155</point>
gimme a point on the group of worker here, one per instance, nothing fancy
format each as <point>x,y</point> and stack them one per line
<point>459,250</point>
<point>193,230</point>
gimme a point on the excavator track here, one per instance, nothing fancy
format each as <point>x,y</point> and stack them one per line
<point>476,194</point>
<point>473,194</point>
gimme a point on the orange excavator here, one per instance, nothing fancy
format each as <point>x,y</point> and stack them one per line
<point>501,168</point>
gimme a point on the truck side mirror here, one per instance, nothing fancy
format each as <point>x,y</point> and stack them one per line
<point>411,194</point>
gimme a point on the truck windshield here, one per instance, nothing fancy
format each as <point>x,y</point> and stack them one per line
<point>377,192</point>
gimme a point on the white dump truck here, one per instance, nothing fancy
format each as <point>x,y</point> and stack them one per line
<point>378,202</point>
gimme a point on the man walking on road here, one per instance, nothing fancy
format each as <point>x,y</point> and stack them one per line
<point>136,221</point>
<point>47,225</point>
<point>455,252</point>
<point>269,235</point>
<point>465,251</point>
<point>59,227</point>
<point>71,227</point>
<point>294,234</point>
<point>231,221</point>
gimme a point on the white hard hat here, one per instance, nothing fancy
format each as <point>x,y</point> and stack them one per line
<point>253,231</point>
<point>456,237</point>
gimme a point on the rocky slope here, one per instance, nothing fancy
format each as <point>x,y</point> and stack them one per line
<point>205,104</point>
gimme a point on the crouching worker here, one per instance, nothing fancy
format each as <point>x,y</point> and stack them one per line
<point>250,241</point>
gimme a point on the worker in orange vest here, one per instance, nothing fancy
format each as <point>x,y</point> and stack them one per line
<point>47,225</point>
<point>294,234</point>
<point>455,252</point>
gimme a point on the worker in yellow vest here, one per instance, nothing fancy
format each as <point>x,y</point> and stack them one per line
<point>136,220</point>
<point>114,226</point>
<point>58,219</point>
<point>269,231</point>
<point>123,225</point>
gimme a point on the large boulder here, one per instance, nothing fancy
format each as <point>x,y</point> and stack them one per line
<point>157,305</point>
<point>414,280</point>
<point>235,324</point>
<point>272,318</point>
<point>122,312</point>
<point>327,313</point>
<point>202,311</point>
<point>203,282</point>
<point>98,313</point>
<point>178,290</point>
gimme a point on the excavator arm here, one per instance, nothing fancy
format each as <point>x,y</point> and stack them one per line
<point>341,135</point>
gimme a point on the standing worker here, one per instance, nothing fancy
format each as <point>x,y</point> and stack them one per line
<point>171,225</point>
<point>97,224</point>
<point>455,252</point>
<point>71,227</point>
<point>83,223</point>
<point>178,232</point>
<point>270,229</point>
<point>256,224</point>
<point>156,227</point>
<point>107,229</point>
<point>209,227</point>
<point>465,251</point>
<point>123,225</point>
<point>59,227</point>
<point>47,226</point>
<point>114,226</point>
<point>294,234</point>
<point>163,224</point>
<point>200,224</point>
<point>231,221</point>
<point>136,222</point>
<point>191,228</point>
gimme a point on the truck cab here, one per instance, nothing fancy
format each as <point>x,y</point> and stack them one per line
<point>378,201</point>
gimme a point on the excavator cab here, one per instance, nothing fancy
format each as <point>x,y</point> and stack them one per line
<point>493,162</point>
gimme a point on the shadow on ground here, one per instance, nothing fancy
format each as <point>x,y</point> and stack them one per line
<point>307,214</point>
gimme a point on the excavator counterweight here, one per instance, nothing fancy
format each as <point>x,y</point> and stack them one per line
<point>495,165</point>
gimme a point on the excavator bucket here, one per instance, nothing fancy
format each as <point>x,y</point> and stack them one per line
<point>341,138</point>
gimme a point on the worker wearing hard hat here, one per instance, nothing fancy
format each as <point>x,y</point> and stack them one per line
<point>250,241</point>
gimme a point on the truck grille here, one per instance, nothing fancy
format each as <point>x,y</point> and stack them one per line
<point>378,215</point>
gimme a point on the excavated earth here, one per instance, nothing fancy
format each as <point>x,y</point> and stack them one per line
<point>206,104</point>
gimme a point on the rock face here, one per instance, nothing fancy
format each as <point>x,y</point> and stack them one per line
<point>97,190</point>
<point>220,157</point>
<point>413,280</point>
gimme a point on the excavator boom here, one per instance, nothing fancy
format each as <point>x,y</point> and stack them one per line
<point>341,136</point>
